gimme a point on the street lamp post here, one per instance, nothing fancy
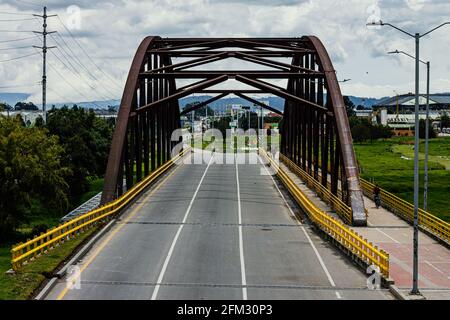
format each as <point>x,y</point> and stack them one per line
<point>416,36</point>
<point>427,121</point>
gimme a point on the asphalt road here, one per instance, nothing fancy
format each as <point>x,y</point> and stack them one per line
<point>215,231</point>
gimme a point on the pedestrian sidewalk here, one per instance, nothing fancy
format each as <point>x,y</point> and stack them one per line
<point>395,236</point>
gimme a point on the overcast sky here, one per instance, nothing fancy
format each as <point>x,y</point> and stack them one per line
<point>110,31</point>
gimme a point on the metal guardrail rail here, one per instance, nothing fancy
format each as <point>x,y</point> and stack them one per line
<point>428,222</point>
<point>344,235</point>
<point>342,209</point>
<point>41,244</point>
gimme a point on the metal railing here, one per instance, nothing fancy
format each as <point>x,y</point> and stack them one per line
<point>344,235</point>
<point>341,208</point>
<point>41,244</point>
<point>405,210</point>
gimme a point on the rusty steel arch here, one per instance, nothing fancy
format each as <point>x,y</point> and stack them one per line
<point>315,132</point>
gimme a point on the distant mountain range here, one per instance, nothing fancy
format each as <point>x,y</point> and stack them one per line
<point>13,98</point>
<point>220,105</point>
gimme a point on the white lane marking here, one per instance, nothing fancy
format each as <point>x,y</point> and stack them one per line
<point>434,267</point>
<point>338,295</point>
<point>241,242</point>
<point>398,242</point>
<point>319,257</point>
<point>175,239</point>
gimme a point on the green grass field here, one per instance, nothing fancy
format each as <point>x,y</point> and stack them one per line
<point>390,164</point>
<point>21,285</point>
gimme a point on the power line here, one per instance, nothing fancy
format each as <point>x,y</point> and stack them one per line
<point>16,31</point>
<point>78,61</point>
<point>15,40</point>
<point>16,13</point>
<point>17,58</point>
<point>12,20</point>
<point>74,69</point>
<point>61,97</point>
<point>15,48</point>
<point>85,52</point>
<point>77,74</point>
<point>68,83</point>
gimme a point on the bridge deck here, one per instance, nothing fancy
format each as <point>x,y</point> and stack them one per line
<point>208,232</point>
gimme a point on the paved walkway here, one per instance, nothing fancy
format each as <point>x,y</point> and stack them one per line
<point>394,235</point>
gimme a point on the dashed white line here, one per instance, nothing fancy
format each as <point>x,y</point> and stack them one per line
<point>241,241</point>
<point>175,239</point>
<point>434,267</point>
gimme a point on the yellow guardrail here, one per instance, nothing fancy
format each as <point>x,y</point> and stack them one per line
<point>405,210</point>
<point>345,236</point>
<point>341,208</point>
<point>23,252</point>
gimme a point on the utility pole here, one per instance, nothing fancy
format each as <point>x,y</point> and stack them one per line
<point>44,49</point>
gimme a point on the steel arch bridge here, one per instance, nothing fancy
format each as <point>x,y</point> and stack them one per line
<point>315,132</point>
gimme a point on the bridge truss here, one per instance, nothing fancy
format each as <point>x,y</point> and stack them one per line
<point>315,132</point>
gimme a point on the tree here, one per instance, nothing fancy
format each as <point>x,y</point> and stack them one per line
<point>30,171</point>
<point>223,124</point>
<point>350,107</point>
<point>29,106</point>
<point>86,140</point>
<point>39,123</point>
<point>431,132</point>
<point>200,112</point>
<point>4,106</point>
<point>243,121</point>
<point>380,132</point>
<point>361,133</point>
<point>363,130</point>
<point>445,121</point>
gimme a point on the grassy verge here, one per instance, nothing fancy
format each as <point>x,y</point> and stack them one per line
<point>389,163</point>
<point>21,285</point>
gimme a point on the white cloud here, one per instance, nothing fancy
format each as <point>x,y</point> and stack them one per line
<point>112,29</point>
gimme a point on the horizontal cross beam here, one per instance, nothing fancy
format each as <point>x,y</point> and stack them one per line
<point>202,53</point>
<point>182,93</point>
<point>276,91</point>
<point>199,74</point>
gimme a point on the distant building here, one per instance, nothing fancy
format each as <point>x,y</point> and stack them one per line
<point>365,113</point>
<point>406,103</point>
<point>29,117</point>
